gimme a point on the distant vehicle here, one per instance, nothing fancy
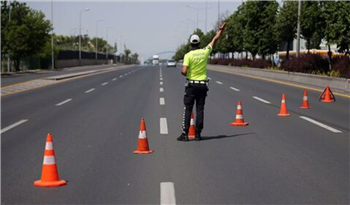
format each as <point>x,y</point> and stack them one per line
<point>155,60</point>
<point>171,63</point>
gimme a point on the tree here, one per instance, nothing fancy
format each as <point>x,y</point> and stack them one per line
<point>286,26</point>
<point>251,36</point>
<point>127,53</point>
<point>134,58</point>
<point>312,23</point>
<point>238,22</point>
<point>3,23</point>
<point>337,29</point>
<point>26,34</point>
<point>267,35</point>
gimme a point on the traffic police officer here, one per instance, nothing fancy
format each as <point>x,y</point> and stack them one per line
<point>195,69</point>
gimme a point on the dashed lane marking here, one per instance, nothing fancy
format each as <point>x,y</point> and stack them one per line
<point>161,89</point>
<point>320,124</point>
<point>261,100</point>
<point>114,79</point>
<point>235,89</point>
<point>160,83</point>
<point>104,83</point>
<point>160,78</point>
<point>13,126</point>
<point>218,82</point>
<point>63,102</point>
<point>161,101</point>
<point>120,76</point>
<point>88,91</point>
<point>167,193</point>
<point>163,126</point>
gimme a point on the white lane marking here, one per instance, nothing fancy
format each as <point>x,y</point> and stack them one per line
<point>114,79</point>
<point>160,83</point>
<point>163,126</point>
<point>13,126</point>
<point>64,102</point>
<point>261,100</point>
<point>320,124</point>
<point>160,78</point>
<point>120,76</point>
<point>218,82</point>
<point>92,89</point>
<point>235,89</point>
<point>161,101</point>
<point>104,83</point>
<point>161,89</point>
<point>167,193</point>
<point>209,78</point>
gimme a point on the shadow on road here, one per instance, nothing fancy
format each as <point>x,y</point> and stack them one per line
<point>224,136</point>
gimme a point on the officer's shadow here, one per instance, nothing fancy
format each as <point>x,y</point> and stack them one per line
<point>224,136</point>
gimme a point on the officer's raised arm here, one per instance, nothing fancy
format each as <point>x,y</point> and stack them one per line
<point>218,34</point>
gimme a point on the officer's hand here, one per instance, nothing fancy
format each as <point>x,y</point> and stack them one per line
<point>222,27</point>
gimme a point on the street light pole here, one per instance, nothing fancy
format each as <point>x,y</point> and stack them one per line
<point>197,10</point>
<point>52,52</point>
<point>107,42</point>
<point>87,9</point>
<point>219,19</point>
<point>8,57</point>
<point>206,14</point>
<point>298,29</point>
<point>96,48</point>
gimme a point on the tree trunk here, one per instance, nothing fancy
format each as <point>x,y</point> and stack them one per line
<point>246,55</point>
<point>17,62</point>
<point>287,55</point>
<point>329,57</point>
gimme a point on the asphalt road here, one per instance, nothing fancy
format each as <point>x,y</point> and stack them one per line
<point>14,78</point>
<point>95,123</point>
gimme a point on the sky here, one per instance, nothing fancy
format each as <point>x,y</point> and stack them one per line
<point>145,27</point>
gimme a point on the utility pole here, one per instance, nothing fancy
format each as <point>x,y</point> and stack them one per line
<point>206,14</point>
<point>219,19</point>
<point>8,55</point>
<point>87,9</point>
<point>96,49</point>
<point>298,29</point>
<point>52,52</point>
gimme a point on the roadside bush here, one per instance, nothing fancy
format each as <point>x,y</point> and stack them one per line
<point>308,63</point>
<point>341,65</point>
<point>260,64</point>
<point>242,63</point>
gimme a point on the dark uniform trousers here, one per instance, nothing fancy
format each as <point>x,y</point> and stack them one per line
<point>194,93</point>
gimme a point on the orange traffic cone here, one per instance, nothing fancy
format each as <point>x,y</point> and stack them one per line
<point>327,95</point>
<point>239,117</point>
<point>49,173</point>
<point>283,111</point>
<point>305,104</point>
<point>192,130</point>
<point>143,147</point>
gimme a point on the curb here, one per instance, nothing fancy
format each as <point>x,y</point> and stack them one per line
<point>341,85</point>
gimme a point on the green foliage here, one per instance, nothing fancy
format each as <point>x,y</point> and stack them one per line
<point>287,19</point>
<point>337,29</point>
<point>26,34</point>
<point>312,23</point>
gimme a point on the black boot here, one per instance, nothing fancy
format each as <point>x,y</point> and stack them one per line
<point>198,137</point>
<point>183,137</point>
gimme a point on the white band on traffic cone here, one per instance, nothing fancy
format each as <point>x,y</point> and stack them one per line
<point>239,107</point>
<point>49,160</point>
<point>240,117</point>
<point>283,101</point>
<point>48,146</point>
<point>142,135</point>
<point>305,98</point>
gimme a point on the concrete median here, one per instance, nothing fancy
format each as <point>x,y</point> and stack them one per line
<point>319,82</point>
